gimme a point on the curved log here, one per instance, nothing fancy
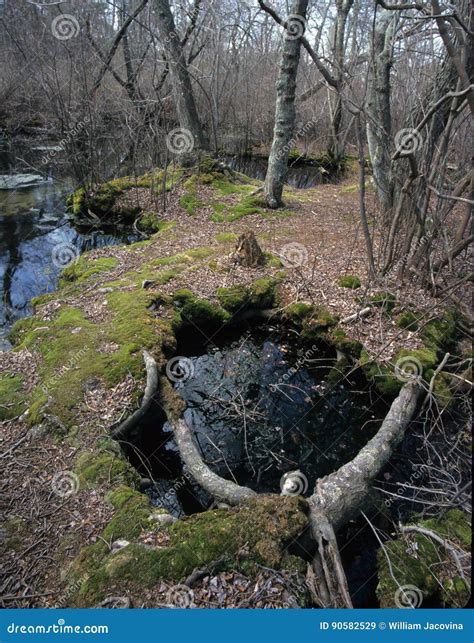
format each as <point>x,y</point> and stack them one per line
<point>218,487</point>
<point>124,429</point>
<point>341,494</point>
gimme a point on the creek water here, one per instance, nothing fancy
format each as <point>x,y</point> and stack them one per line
<point>36,242</point>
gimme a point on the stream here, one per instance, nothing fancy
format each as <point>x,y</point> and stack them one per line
<point>33,227</point>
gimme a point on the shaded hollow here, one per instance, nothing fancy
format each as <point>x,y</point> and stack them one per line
<point>259,405</point>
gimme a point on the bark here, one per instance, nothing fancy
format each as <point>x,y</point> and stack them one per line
<point>218,487</point>
<point>284,111</point>
<point>341,494</point>
<point>379,125</point>
<point>338,497</point>
<point>123,431</point>
<point>181,80</point>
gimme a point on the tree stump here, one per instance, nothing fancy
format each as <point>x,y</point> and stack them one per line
<point>247,251</point>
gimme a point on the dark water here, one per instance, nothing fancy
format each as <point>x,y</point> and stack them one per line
<point>36,243</point>
<point>305,176</point>
<point>258,407</point>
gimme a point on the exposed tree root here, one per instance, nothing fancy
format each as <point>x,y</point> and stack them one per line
<point>122,432</point>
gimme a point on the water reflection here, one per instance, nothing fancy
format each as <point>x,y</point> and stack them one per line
<point>33,222</point>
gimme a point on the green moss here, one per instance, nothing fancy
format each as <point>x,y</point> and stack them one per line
<point>201,312</point>
<point>264,526</point>
<point>297,312</point>
<point>385,300</point>
<point>248,205</point>
<point>421,565</point>
<point>263,293</point>
<point>338,338</point>
<point>70,346</point>
<point>226,237</point>
<point>84,268</point>
<point>408,320</point>
<point>149,223</point>
<point>234,298</point>
<point>75,201</point>
<point>380,375</point>
<point>12,396</point>
<point>349,281</point>
<point>131,516</point>
<point>95,468</point>
<point>440,334</point>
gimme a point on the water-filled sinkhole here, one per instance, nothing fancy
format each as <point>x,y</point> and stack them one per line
<point>259,405</point>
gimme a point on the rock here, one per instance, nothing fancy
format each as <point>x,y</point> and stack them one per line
<point>16,181</point>
<point>247,252</point>
<point>163,519</point>
<point>117,545</point>
<point>148,283</point>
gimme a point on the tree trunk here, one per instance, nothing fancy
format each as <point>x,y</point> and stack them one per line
<point>285,106</point>
<point>378,108</point>
<point>182,88</point>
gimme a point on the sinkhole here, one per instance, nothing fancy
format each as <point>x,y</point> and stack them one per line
<point>259,404</point>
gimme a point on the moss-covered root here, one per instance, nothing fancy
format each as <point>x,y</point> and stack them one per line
<point>256,532</point>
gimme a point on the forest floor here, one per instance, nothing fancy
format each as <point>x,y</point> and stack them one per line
<point>44,531</point>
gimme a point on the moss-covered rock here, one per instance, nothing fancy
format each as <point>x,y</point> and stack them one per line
<point>95,468</point>
<point>417,560</point>
<point>263,527</point>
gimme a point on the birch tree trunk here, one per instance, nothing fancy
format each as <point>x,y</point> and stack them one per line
<point>285,105</point>
<point>182,87</point>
